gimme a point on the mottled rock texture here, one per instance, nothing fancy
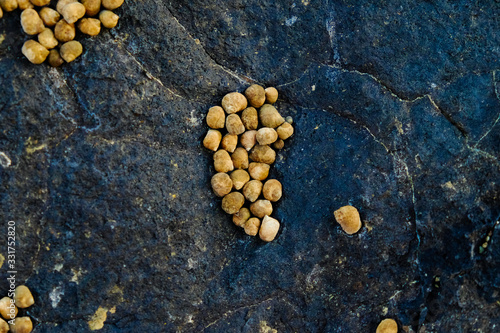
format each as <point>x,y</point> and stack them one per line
<point>396,112</point>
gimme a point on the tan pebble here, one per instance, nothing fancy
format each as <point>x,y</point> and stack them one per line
<point>8,309</point>
<point>21,325</point>
<point>241,217</point>
<point>262,154</point>
<point>40,3</point>
<point>49,16</point>
<point>240,158</point>
<point>252,226</point>
<point>270,117</point>
<point>261,208</point>
<point>248,139</point>
<point>1,12</point>
<point>271,95</point>
<point>62,3</point>
<point>221,184</point>
<point>212,140</point>
<point>108,19</point>
<point>229,142</point>
<point>31,22</point>
<point>258,171</point>
<point>64,31</point>
<point>234,102</point>
<point>112,4</point>
<point>216,118</point>
<point>71,50</point>
<point>25,4</point>
<point>72,12</point>
<point>272,190</point>
<point>55,59</point>
<point>47,39</point>
<point>234,124</point>
<point>387,326</point>
<point>233,202</point>
<point>8,5</point>
<point>266,136</point>
<point>285,131</point>
<point>35,52</point>
<point>269,229</point>
<point>92,7</point>
<point>348,218</point>
<point>252,190</point>
<point>279,144</point>
<point>4,327</point>
<point>222,161</point>
<point>256,95</point>
<point>90,26</point>
<point>250,118</point>
<point>239,177</point>
<point>23,297</point>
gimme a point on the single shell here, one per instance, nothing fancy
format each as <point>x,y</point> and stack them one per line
<point>8,5</point>
<point>7,308</point>
<point>73,11</point>
<point>234,124</point>
<point>269,228</point>
<point>62,3</point>
<point>49,16</point>
<point>248,139</point>
<point>92,7</point>
<point>4,327</point>
<point>250,118</point>
<point>233,202</point>
<point>229,142</point>
<point>241,217</point>
<point>55,59</point>
<point>261,208</point>
<point>266,136</point>
<point>256,95</point>
<point>212,140</point>
<point>252,226</point>
<point>270,117</point>
<point>222,161</point>
<point>31,22</point>
<point>22,325</point>
<point>40,3</point>
<point>23,297</point>
<point>285,131</point>
<point>271,95</point>
<point>258,171</point>
<point>279,144</point>
<point>64,31</point>
<point>108,19</point>
<point>22,5</point>
<point>216,118</point>
<point>1,12</point>
<point>47,39</point>
<point>71,50</point>
<point>240,178</point>
<point>272,190</point>
<point>35,52</point>
<point>252,190</point>
<point>240,158</point>
<point>221,184</point>
<point>387,326</point>
<point>348,218</point>
<point>234,102</point>
<point>112,4</point>
<point>263,154</point>
<point>90,26</point>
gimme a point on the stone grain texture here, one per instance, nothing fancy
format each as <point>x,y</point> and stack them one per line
<point>396,111</point>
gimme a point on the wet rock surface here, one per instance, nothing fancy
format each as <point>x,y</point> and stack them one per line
<point>396,111</point>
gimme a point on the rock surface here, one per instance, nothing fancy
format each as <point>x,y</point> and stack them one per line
<point>396,111</point>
